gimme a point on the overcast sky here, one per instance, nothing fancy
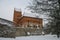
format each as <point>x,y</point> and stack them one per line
<point>7,7</point>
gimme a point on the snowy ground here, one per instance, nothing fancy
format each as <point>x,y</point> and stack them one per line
<point>40,37</point>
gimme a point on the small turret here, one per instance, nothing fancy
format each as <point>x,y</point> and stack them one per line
<point>17,15</point>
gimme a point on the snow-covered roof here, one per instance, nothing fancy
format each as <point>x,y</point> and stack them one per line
<point>16,9</point>
<point>6,22</point>
<point>31,15</point>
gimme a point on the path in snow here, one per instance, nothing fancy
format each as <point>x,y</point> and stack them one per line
<point>41,37</point>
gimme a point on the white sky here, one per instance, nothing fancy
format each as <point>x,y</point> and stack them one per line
<point>7,7</point>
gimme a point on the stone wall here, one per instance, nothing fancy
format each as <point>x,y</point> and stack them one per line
<point>27,31</point>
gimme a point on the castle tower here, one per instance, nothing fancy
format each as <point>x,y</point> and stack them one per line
<point>17,15</point>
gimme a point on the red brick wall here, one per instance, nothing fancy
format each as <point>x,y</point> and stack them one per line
<point>16,16</point>
<point>27,20</point>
